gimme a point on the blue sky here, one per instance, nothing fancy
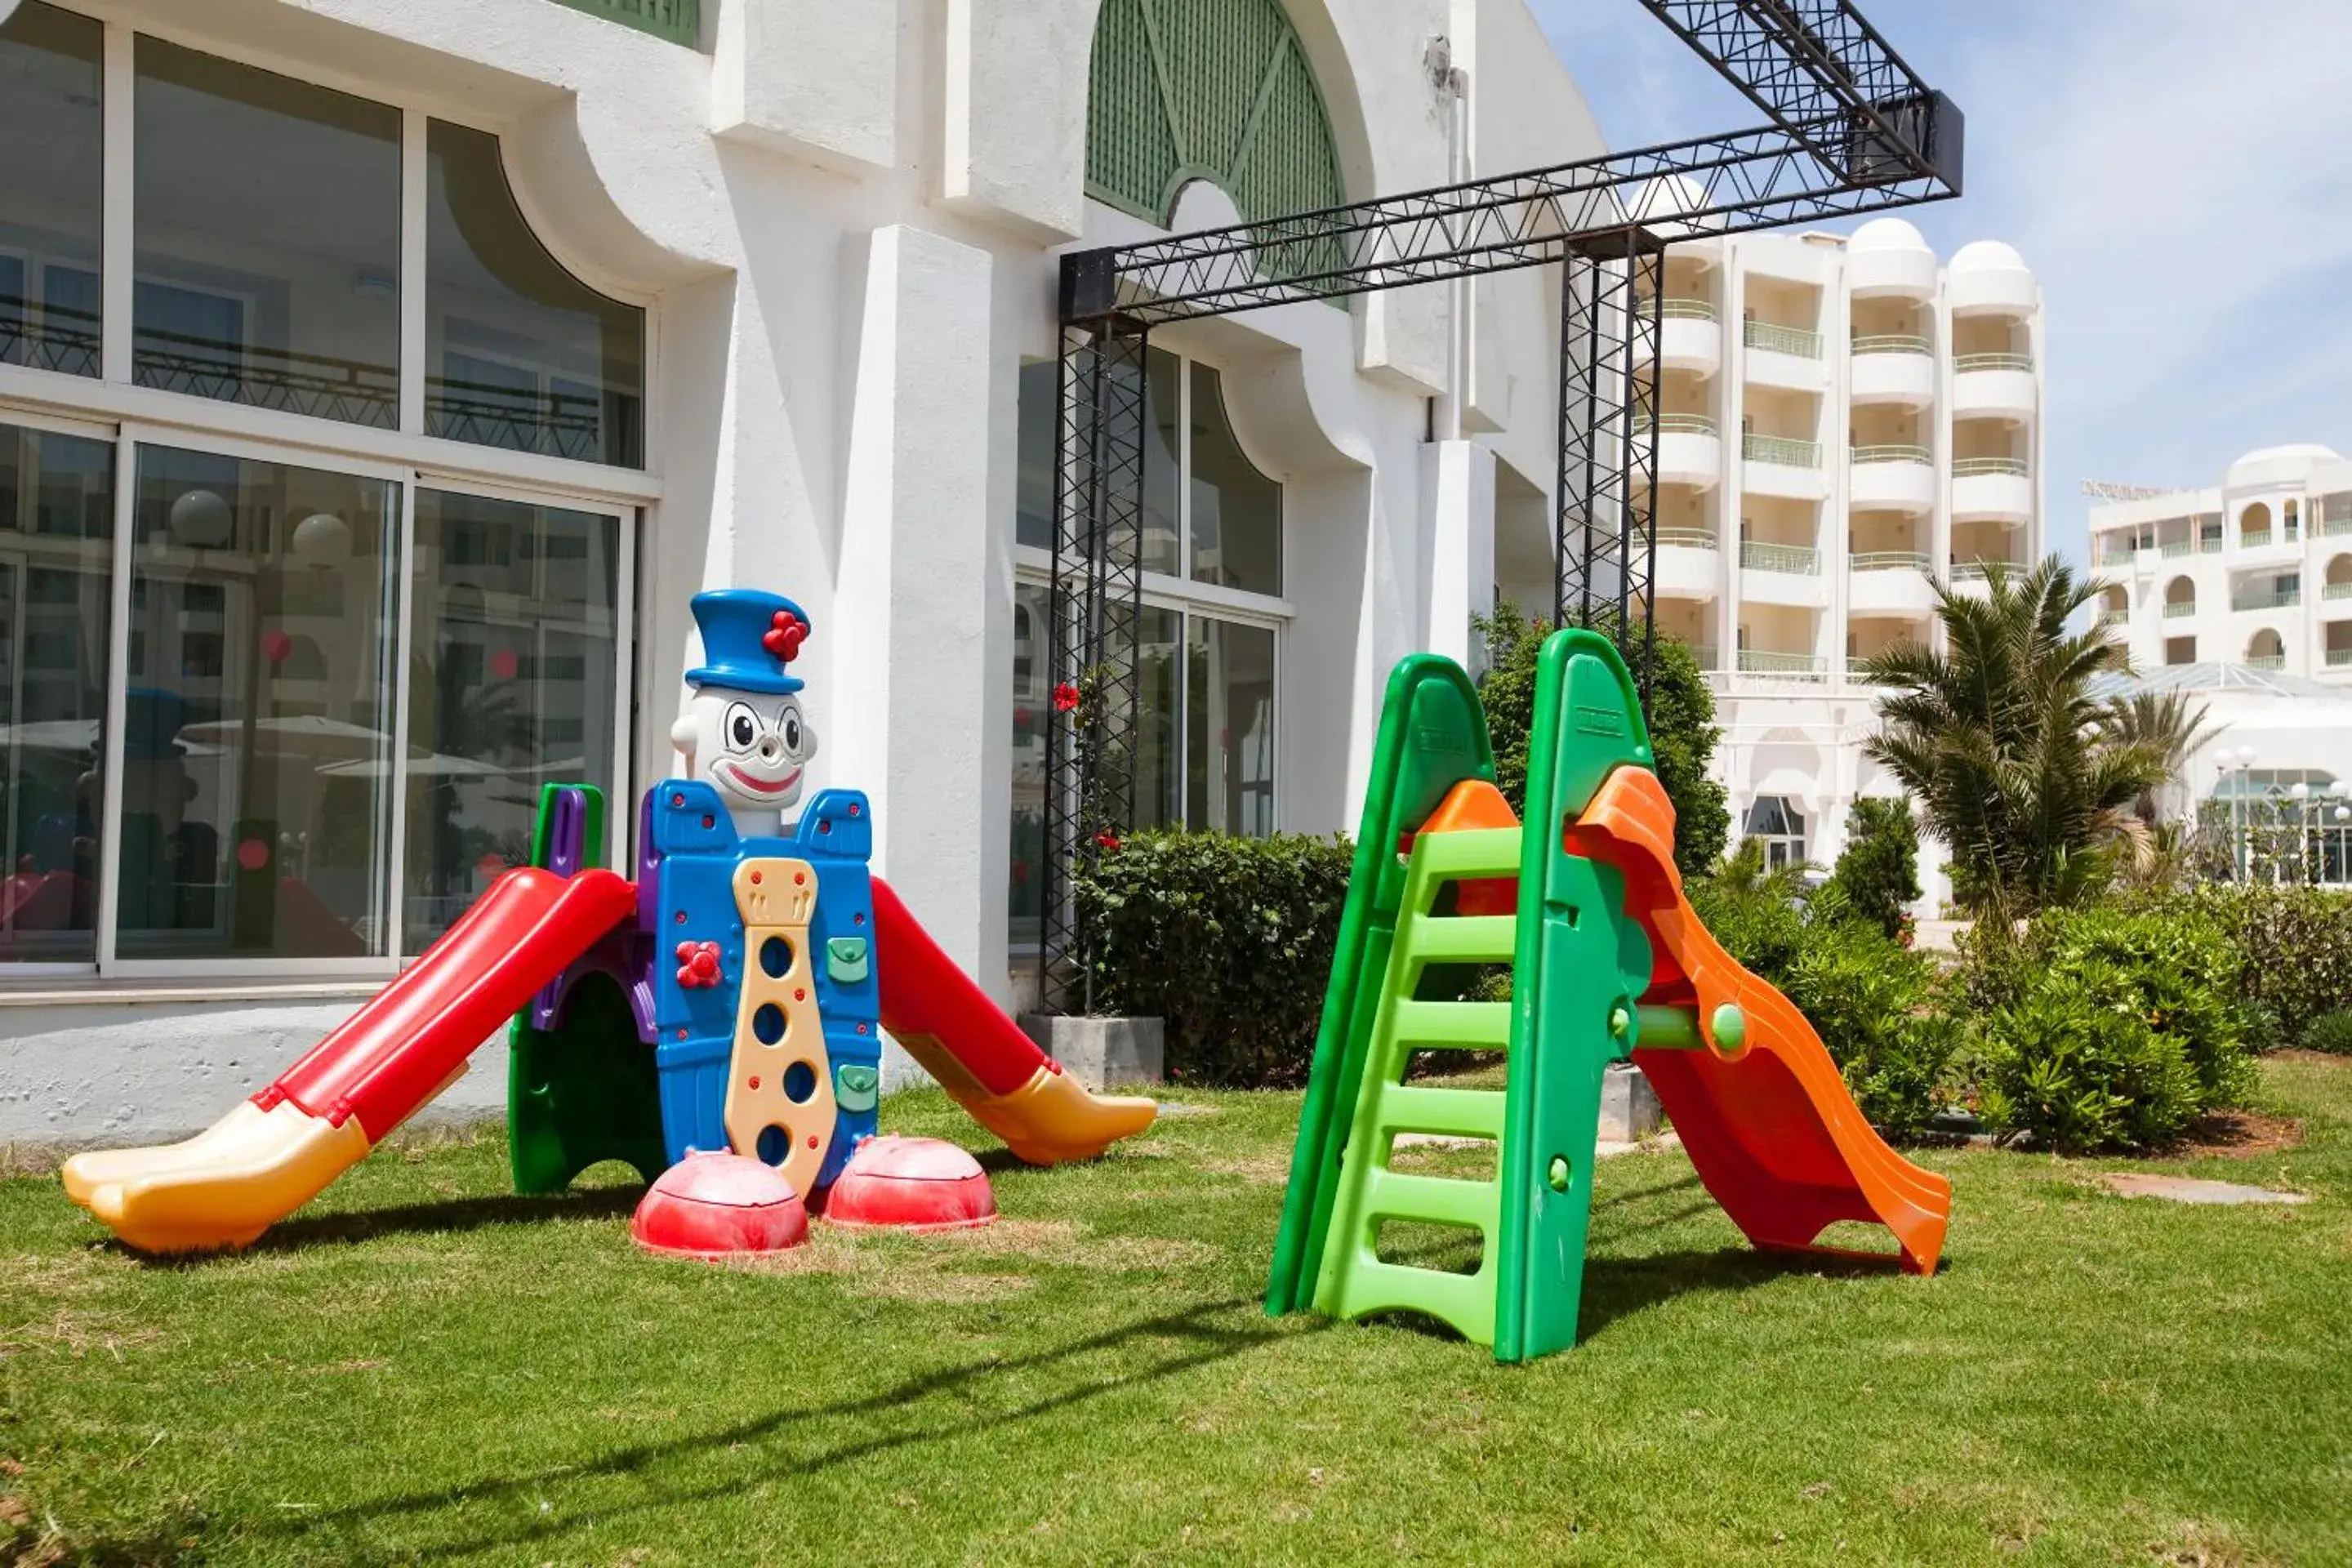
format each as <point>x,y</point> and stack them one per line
<point>2177,173</point>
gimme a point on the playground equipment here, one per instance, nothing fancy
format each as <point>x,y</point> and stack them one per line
<point>1608,963</point>
<point>732,996</point>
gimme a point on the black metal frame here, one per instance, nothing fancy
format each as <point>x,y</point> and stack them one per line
<point>1852,130</point>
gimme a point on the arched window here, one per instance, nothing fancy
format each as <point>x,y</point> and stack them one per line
<point>2266,650</point>
<point>2339,579</point>
<point>1206,89</point>
<point>2294,520</point>
<point>2180,598</point>
<point>2254,525</point>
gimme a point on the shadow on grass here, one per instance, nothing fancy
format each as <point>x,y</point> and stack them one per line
<point>1616,1289</point>
<point>440,1218</point>
<point>960,1391</point>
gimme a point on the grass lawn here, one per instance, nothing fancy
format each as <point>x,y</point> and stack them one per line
<point>420,1367</point>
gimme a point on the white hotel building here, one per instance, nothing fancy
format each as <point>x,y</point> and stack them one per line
<point>1842,418</point>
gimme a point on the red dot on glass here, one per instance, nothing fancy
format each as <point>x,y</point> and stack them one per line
<point>503,664</point>
<point>275,646</point>
<point>253,854</point>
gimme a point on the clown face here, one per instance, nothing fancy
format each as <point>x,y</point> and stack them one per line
<point>752,747</point>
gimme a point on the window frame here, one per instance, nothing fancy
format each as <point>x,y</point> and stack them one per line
<point>113,408</point>
<point>1032,567</point>
<point>114,393</point>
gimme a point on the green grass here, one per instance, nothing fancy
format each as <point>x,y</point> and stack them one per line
<point>420,1368</point>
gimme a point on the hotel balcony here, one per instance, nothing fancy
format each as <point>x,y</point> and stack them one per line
<point>1782,466</point>
<point>1690,564</point>
<point>1992,489</point>
<point>1810,669</point>
<point>1780,357</point>
<point>1896,478</point>
<point>1994,386</point>
<point>1889,582</point>
<point>1688,451</point>
<point>1896,368</point>
<point>1690,337</point>
<point>1782,574</point>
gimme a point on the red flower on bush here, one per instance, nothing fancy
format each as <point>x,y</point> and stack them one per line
<point>1065,697</point>
<point>1107,839</point>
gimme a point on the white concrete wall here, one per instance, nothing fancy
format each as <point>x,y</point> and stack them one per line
<point>841,223</point>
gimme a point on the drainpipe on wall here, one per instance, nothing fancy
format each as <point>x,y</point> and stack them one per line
<point>1457,325</point>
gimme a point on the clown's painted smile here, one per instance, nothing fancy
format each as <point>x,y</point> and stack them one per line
<point>738,773</point>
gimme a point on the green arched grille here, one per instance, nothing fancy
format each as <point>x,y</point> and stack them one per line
<point>1207,89</point>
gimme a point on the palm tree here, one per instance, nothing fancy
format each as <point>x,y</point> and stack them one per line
<point>2005,747</point>
<point>2166,724</point>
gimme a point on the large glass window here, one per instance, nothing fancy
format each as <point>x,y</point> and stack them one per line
<point>57,530</point>
<point>267,212</point>
<point>51,157</point>
<point>1205,725</point>
<point>1236,511</point>
<point>521,354</point>
<point>256,751</point>
<point>511,684</point>
<point>1229,728</point>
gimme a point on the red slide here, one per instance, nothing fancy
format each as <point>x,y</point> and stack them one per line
<point>278,1150</point>
<point>997,1073</point>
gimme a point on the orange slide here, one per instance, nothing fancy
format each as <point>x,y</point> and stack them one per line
<point>1766,1118</point>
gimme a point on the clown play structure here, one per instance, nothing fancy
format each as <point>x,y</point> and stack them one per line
<point>732,996</point>
<point>1608,963</point>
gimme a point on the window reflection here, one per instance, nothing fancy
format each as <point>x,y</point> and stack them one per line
<point>517,614</point>
<point>1236,510</point>
<point>520,354</point>
<point>256,751</point>
<point>50,162</point>
<point>1038,416</point>
<point>57,528</point>
<point>1229,726</point>
<point>1164,405</point>
<point>268,213</point>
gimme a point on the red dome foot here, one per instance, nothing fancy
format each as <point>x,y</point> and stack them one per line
<point>910,1184</point>
<point>718,1205</point>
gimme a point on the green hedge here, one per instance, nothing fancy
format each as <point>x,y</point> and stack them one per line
<point>1229,940</point>
<point>2111,1027</point>
<point>2294,945</point>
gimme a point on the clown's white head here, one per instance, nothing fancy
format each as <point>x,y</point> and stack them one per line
<point>753,747</point>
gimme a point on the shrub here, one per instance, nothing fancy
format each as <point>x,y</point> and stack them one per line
<point>1755,917</point>
<point>2294,945</point>
<point>2330,1032</point>
<point>1681,714</point>
<point>1874,1004</point>
<point>2116,1028</point>
<point>1229,940</point>
<point>1878,872</point>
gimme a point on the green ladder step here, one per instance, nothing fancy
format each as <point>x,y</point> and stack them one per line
<point>1356,1280</point>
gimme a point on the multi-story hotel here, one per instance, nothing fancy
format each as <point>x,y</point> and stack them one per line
<point>1842,418</point>
<point>2256,570</point>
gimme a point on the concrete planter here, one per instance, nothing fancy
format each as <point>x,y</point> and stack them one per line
<point>1101,1052</point>
<point>1629,1106</point>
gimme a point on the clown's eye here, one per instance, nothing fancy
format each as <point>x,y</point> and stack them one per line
<point>742,727</point>
<point>791,720</point>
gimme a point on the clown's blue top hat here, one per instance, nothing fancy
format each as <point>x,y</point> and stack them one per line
<point>749,636</point>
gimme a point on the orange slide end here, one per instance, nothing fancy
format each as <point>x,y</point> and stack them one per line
<point>1766,1117</point>
<point>980,1057</point>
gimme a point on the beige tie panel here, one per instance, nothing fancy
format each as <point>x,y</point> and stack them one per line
<point>780,1081</point>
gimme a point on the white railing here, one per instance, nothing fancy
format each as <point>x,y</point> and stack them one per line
<point>1802,559</point>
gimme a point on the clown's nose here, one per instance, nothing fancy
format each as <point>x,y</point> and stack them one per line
<point>772,748</point>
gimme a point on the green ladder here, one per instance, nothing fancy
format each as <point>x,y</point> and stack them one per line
<point>1579,966</point>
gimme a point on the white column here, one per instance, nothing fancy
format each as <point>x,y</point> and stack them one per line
<point>914,620</point>
<point>1457,498</point>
